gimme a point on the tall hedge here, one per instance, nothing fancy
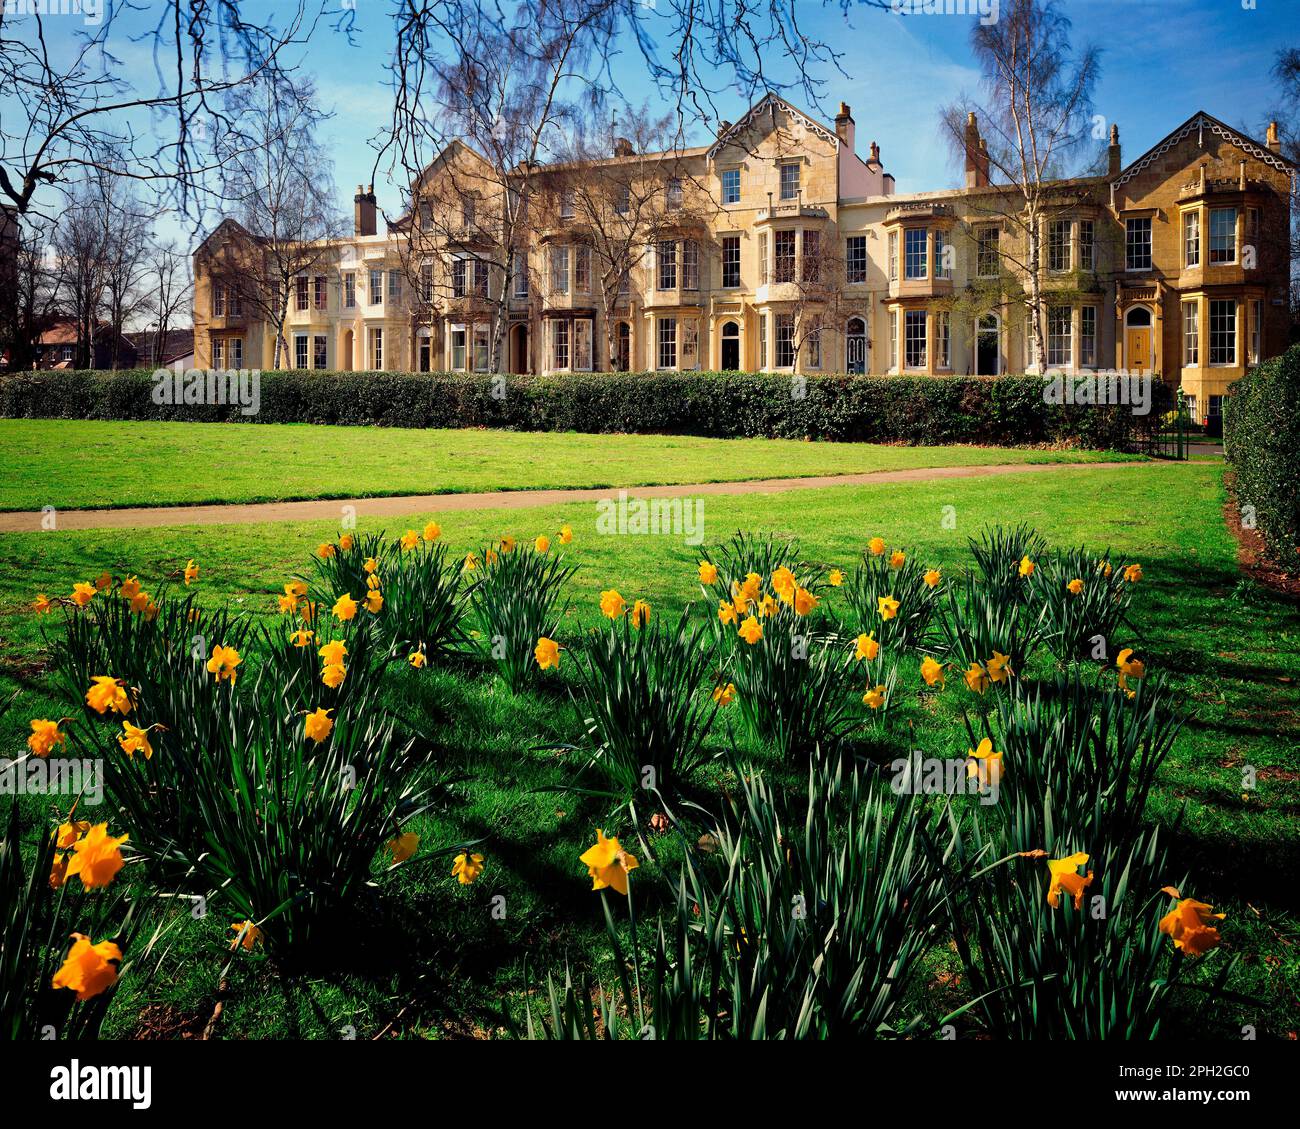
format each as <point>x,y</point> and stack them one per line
<point>1261,433</point>
<point>1000,411</point>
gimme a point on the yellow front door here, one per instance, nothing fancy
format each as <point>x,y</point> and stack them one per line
<point>1138,349</point>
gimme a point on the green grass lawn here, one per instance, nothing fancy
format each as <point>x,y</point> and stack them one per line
<point>90,464</point>
<point>427,957</point>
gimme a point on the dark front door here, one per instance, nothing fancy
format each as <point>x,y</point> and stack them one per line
<point>730,354</point>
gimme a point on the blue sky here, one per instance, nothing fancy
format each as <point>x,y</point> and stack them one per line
<point>1162,60</point>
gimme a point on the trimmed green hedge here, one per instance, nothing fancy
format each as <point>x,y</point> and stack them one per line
<point>998,411</point>
<point>1261,430</point>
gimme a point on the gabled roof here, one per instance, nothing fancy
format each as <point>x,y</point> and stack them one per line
<point>767,104</point>
<point>1201,123</point>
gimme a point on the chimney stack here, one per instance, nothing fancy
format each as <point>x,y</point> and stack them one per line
<point>977,158</point>
<point>364,211</point>
<point>1113,162</point>
<point>844,126</point>
<point>1272,139</point>
<point>875,154</point>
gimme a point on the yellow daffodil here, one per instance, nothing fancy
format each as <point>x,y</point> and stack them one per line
<point>932,578</point>
<point>1190,925</point>
<point>67,834</point>
<point>542,544</point>
<point>640,614</point>
<point>566,534</point>
<point>191,572</point>
<point>507,544</point>
<point>874,697</point>
<point>985,764</point>
<point>82,594</point>
<point>404,846</point>
<point>471,562</point>
<point>897,558</point>
<point>246,934</point>
<point>432,531</point>
<point>547,653</point>
<point>767,607</point>
<point>999,667</point>
<point>89,969</point>
<point>751,630</point>
<point>612,605</point>
<point>302,637</point>
<point>1133,573</point>
<point>318,725</point>
<point>784,584</point>
<point>296,588</point>
<point>1075,587</point>
<point>725,695</point>
<point>877,546</point>
<point>608,864</point>
<point>371,566</point>
<point>45,735</point>
<point>345,607</point>
<point>804,601</point>
<point>287,604</point>
<point>96,857</point>
<point>888,607</point>
<point>836,578</point>
<point>1027,567</point>
<point>108,693</point>
<point>466,868</point>
<point>708,573</point>
<point>333,674</point>
<point>868,648</point>
<point>977,678</point>
<point>42,605</point>
<point>374,601</point>
<point>932,671</point>
<point>1065,878</point>
<point>103,580</point>
<point>134,740</point>
<point>346,542</point>
<point>410,539</point>
<point>325,550</point>
<point>223,662</point>
<point>416,659</point>
<point>726,612</point>
<point>1129,667</point>
<point>333,652</point>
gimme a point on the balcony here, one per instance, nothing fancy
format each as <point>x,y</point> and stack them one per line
<point>917,214</point>
<point>673,296</point>
<point>790,210</point>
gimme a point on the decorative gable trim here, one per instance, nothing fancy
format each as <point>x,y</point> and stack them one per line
<point>769,103</point>
<point>1201,123</point>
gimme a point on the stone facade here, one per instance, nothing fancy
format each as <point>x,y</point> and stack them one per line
<point>777,248</point>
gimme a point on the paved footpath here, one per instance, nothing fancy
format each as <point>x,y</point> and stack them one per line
<point>328,509</point>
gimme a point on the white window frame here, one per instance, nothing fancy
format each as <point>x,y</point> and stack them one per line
<point>1191,332</point>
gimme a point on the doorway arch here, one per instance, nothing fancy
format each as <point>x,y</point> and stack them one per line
<point>988,345</point>
<point>855,346</point>
<point>730,352</point>
<point>519,349</point>
<point>1139,339</point>
<point>622,347</point>
<point>345,354</point>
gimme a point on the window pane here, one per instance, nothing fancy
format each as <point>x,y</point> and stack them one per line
<point>1137,244</point>
<point>914,253</point>
<point>1223,235</point>
<point>914,343</point>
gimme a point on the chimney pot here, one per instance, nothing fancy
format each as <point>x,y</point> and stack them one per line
<point>1272,140</point>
